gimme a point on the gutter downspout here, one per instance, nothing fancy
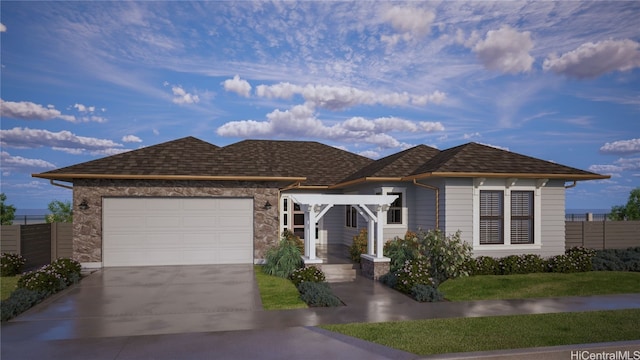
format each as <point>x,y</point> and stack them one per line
<point>437,191</point>
<point>61,185</point>
<point>575,182</point>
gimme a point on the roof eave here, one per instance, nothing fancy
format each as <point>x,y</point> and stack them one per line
<point>363,180</point>
<point>509,175</point>
<point>71,177</point>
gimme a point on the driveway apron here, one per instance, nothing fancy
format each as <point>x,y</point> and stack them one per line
<point>148,298</point>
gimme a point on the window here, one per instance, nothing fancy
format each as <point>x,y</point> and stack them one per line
<point>394,215</point>
<point>522,217</point>
<point>351,217</point>
<point>491,217</point>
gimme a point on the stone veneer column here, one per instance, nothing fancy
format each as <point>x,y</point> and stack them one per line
<point>374,267</point>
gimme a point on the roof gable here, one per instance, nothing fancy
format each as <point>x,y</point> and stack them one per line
<point>399,164</point>
<point>474,158</point>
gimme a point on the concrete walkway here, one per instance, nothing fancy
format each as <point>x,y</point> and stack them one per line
<point>60,329</point>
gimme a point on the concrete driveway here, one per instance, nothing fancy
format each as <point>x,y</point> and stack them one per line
<point>144,300</point>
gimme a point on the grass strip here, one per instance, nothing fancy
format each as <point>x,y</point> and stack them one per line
<point>439,336</point>
<point>7,286</point>
<point>277,293</point>
<point>489,287</point>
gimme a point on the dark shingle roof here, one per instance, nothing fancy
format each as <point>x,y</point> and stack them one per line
<point>473,158</point>
<point>320,164</point>
<point>311,162</point>
<point>186,156</point>
<point>399,164</point>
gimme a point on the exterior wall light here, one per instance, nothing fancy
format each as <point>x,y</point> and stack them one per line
<point>267,205</point>
<point>83,205</point>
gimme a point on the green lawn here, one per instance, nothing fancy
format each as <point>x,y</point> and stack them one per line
<point>277,293</point>
<point>487,287</point>
<point>7,285</point>
<point>438,336</point>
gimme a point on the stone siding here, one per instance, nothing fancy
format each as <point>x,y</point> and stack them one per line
<point>87,224</point>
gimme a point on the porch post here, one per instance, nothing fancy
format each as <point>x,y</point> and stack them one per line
<point>371,236</point>
<point>382,213</point>
<point>309,232</point>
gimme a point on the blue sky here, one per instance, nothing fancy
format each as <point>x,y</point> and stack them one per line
<point>555,80</point>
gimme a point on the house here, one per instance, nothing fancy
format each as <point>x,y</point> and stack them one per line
<point>190,202</point>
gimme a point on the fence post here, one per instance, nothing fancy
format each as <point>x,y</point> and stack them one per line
<point>589,216</point>
<point>583,233</point>
<point>604,235</point>
<point>54,240</point>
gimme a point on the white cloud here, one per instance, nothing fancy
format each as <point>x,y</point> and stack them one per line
<point>180,96</point>
<point>27,138</point>
<point>628,164</point>
<point>471,136</point>
<point>506,50</point>
<point>410,23</point>
<point>370,154</point>
<point>131,138</point>
<point>3,28</point>
<point>238,86</point>
<point>83,108</point>
<point>342,97</point>
<point>301,122</point>
<point>25,110</point>
<point>591,60</point>
<point>621,147</point>
<point>22,165</point>
<point>605,169</point>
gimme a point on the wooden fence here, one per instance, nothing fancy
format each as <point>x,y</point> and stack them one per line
<point>39,244</point>
<point>602,234</point>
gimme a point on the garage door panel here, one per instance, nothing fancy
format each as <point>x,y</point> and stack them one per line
<point>175,231</point>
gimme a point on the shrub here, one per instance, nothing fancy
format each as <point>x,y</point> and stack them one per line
<point>11,264</point>
<point>413,272</point>
<point>291,237</point>
<point>282,259</point>
<point>358,246</point>
<point>576,259</point>
<point>318,294</point>
<point>19,301</point>
<point>485,265</point>
<point>45,280</point>
<point>448,256</point>
<point>426,293</point>
<point>389,279</point>
<point>401,250</point>
<point>617,260</point>
<point>307,274</point>
<point>69,270</point>
<point>521,264</point>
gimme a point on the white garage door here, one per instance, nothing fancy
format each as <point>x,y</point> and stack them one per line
<point>177,231</point>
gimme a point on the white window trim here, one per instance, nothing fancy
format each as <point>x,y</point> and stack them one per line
<point>385,190</point>
<point>351,208</point>
<point>510,184</point>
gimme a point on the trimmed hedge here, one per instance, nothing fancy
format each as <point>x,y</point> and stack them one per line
<point>318,294</point>
<point>576,259</point>
<point>617,260</point>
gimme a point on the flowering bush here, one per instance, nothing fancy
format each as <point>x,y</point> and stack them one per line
<point>307,274</point>
<point>400,250</point>
<point>52,278</point>
<point>68,269</point>
<point>485,265</point>
<point>521,264</point>
<point>11,264</point>
<point>576,259</point>
<point>413,272</point>
<point>45,280</point>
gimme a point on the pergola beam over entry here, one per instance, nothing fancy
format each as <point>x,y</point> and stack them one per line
<point>315,206</point>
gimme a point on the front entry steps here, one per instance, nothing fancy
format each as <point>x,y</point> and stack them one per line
<point>340,272</point>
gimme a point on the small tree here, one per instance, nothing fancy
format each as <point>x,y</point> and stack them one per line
<point>60,212</point>
<point>630,211</point>
<point>7,212</point>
